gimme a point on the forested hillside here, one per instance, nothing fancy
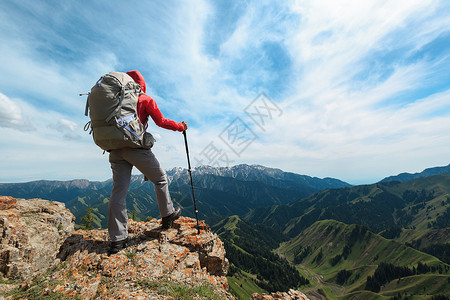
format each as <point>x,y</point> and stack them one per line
<point>252,261</point>
<point>350,259</point>
<point>419,204</point>
<point>379,241</point>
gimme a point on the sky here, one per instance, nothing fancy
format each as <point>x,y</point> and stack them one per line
<point>354,90</point>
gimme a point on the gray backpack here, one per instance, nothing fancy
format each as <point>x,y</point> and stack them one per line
<point>112,106</point>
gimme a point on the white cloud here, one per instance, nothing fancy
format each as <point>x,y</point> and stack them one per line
<point>11,115</point>
<point>336,38</point>
<point>54,86</point>
<point>239,40</point>
<point>67,128</point>
<point>65,125</point>
<point>334,118</point>
<point>354,129</point>
<point>345,113</point>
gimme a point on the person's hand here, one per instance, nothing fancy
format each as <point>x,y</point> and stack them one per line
<point>185,125</point>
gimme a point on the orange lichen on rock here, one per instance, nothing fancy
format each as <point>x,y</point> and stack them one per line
<point>76,263</point>
<point>31,233</point>
<point>7,202</point>
<point>178,254</point>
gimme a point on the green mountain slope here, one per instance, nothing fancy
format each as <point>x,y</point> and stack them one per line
<point>418,204</point>
<point>339,258</point>
<point>253,265</point>
<point>432,241</point>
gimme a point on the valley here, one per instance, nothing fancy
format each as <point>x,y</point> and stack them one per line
<point>331,240</point>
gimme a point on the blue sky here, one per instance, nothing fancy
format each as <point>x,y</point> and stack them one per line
<point>355,90</point>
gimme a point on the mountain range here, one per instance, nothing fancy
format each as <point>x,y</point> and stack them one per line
<point>219,191</point>
<point>324,236</point>
<point>425,173</point>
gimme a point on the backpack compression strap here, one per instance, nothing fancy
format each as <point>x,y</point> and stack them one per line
<point>122,94</point>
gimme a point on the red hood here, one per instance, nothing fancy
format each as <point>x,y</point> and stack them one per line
<point>138,78</point>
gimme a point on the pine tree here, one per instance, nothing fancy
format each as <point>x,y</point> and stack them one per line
<point>87,222</point>
<point>133,216</point>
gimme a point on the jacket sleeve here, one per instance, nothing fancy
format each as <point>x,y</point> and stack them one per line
<point>153,111</point>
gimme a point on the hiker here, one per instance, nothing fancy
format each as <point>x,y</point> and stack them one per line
<point>122,161</point>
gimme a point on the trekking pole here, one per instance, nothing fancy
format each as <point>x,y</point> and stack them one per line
<point>190,175</point>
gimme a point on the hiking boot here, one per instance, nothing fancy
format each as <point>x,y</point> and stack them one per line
<point>167,222</point>
<point>115,247</point>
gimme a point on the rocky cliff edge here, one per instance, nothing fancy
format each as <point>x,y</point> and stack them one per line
<point>43,255</point>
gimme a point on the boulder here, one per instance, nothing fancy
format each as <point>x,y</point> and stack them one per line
<point>31,233</point>
<point>154,262</point>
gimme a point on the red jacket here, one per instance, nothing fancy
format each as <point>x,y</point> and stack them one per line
<point>146,106</point>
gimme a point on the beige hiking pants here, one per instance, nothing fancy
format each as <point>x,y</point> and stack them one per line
<point>122,162</point>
